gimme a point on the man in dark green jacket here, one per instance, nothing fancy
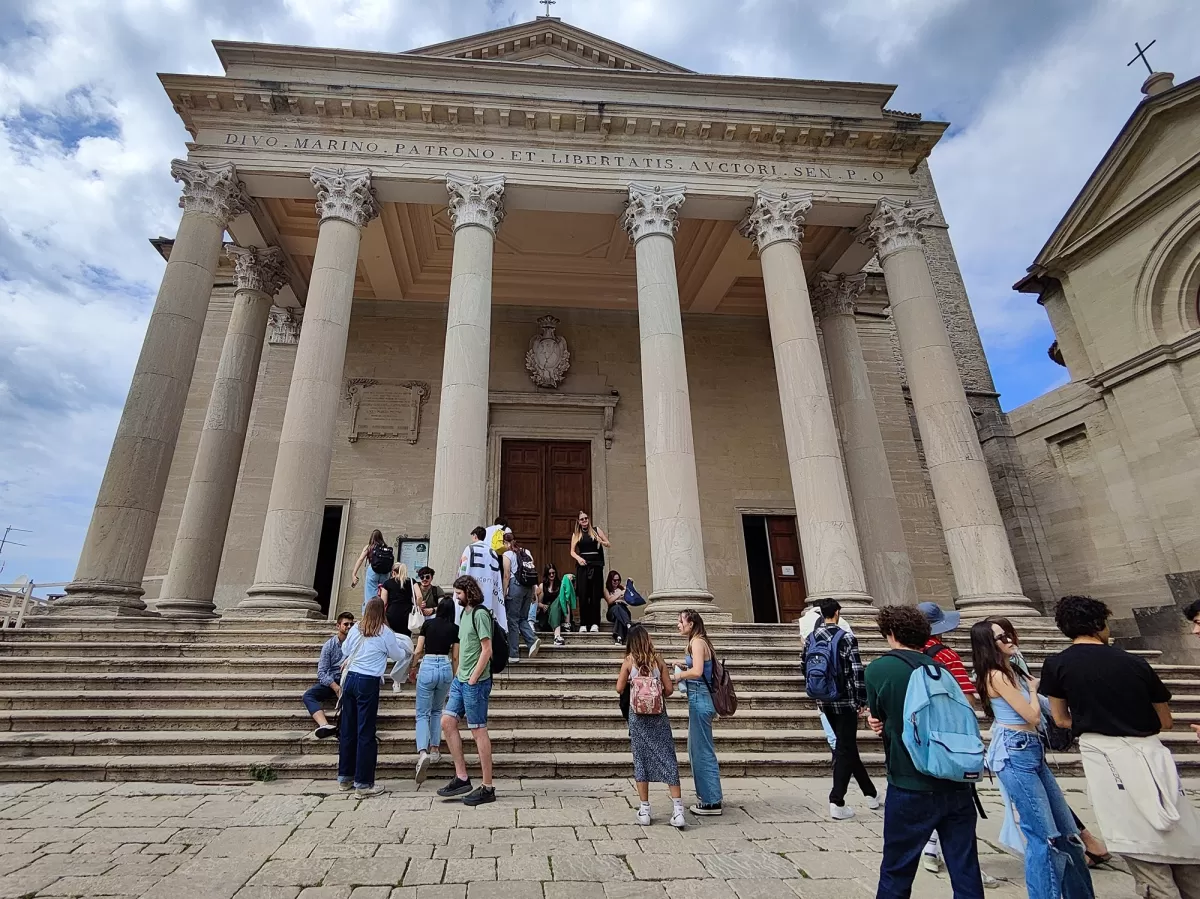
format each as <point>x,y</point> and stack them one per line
<point>917,804</point>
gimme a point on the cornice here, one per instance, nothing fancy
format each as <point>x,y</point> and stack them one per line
<point>1185,347</point>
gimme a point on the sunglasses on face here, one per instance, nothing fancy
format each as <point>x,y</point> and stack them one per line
<point>1003,638</point>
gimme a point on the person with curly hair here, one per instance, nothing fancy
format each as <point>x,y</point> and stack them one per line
<point>917,805</point>
<point>1117,705</point>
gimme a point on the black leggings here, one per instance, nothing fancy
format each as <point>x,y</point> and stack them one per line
<point>618,614</point>
<point>588,587</point>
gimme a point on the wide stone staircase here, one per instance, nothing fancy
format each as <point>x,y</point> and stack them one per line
<point>152,699</point>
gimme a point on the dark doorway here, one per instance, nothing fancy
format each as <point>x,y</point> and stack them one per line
<point>543,486</point>
<point>777,588</point>
<point>327,552</point>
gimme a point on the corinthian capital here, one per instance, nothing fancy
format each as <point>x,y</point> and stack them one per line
<point>344,194</point>
<point>776,216</point>
<point>895,225</point>
<point>836,294</point>
<point>476,200</point>
<point>263,270</point>
<point>210,188</point>
<point>285,326</point>
<point>652,209</point>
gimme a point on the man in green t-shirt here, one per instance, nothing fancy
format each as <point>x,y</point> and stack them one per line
<point>469,693</point>
<point>917,805</point>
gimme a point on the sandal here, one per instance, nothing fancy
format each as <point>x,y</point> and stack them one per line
<point>1095,861</point>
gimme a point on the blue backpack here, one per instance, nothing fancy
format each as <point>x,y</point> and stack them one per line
<point>822,669</point>
<point>941,732</point>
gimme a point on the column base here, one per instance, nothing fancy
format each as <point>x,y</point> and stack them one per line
<point>664,606</point>
<point>277,600</point>
<point>858,605</point>
<point>1002,605</point>
<point>91,600</point>
<point>189,609</point>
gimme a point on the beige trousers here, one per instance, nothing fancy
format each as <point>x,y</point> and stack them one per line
<point>1156,880</point>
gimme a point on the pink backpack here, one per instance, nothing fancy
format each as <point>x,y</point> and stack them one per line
<point>645,694</point>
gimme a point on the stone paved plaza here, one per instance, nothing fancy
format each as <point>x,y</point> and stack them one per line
<point>541,840</point>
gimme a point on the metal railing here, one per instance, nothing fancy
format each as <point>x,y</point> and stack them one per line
<point>17,601</point>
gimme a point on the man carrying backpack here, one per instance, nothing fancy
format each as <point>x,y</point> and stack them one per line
<point>912,698</point>
<point>833,675</point>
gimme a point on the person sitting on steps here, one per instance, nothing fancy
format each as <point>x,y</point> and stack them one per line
<point>329,671</point>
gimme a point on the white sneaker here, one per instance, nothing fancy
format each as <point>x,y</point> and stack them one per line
<point>874,803</point>
<point>643,815</point>
<point>582,628</point>
<point>533,650</point>
<point>435,756</point>
<point>677,819</point>
<point>364,792</point>
<point>931,863</point>
<point>840,812</point>
<point>595,628</point>
<point>990,882</point>
<point>422,767</point>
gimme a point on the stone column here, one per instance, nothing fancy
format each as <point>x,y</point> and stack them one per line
<point>108,580</point>
<point>460,466</point>
<point>828,542</point>
<point>985,574</point>
<point>191,578</point>
<point>676,540</point>
<point>296,509</point>
<point>876,512</point>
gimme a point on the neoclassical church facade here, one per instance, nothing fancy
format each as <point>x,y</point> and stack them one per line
<point>533,272</point>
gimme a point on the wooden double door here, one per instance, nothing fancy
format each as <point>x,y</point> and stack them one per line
<point>543,486</point>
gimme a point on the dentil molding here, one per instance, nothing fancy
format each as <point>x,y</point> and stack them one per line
<point>261,270</point>
<point>776,216</point>
<point>896,225</point>
<point>837,294</point>
<point>211,188</point>
<point>652,209</point>
<point>344,194</point>
<point>476,200</point>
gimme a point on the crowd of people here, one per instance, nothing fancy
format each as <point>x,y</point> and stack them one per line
<point>919,697</point>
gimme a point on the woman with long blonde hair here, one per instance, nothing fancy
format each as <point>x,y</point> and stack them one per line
<point>588,543</point>
<point>366,651</point>
<point>398,595</point>
<point>650,738</point>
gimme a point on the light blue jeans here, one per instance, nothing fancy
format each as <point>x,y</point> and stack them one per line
<point>371,581</point>
<point>701,752</point>
<point>830,736</point>
<point>433,686</point>
<point>517,606</point>
<point>1054,861</point>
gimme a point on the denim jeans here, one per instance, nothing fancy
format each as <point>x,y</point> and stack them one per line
<point>909,817</point>
<point>618,614</point>
<point>701,753</point>
<point>433,686</point>
<point>830,736</point>
<point>847,762</point>
<point>357,750</point>
<point>371,581</point>
<point>516,606</point>
<point>1054,861</point>
<point>316,696</point>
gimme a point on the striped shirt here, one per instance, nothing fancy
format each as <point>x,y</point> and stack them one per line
<point>951,660</point>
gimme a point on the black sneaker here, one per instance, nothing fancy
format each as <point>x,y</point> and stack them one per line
<point>705,808</point>
<point>325,731</point>
<point>480,795</point>
<point>455,787</point>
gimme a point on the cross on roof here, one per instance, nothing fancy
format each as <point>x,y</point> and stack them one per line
<point>1141,54</point>
<point>548,4</point>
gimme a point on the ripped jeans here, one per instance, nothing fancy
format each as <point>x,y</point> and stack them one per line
<point>1054,861</point>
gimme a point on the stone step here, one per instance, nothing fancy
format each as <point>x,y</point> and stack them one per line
<point>504,740</point>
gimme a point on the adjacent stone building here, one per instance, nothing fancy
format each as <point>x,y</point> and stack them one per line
<point>1112,458</point>
<point>534,271</point>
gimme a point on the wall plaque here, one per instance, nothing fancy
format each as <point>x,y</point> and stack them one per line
<point>385,409</point>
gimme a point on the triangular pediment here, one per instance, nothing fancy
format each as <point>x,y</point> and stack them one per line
<point>1159,144</point>
<point>548,41</point>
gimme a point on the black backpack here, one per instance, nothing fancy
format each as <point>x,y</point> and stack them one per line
<point>382,558</point>
<point>526,573</point>
<point>499,644</point>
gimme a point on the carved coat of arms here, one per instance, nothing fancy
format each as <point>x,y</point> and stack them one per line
<point>548,358</point>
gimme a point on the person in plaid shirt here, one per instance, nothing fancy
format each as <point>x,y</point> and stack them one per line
<point>843,714</point>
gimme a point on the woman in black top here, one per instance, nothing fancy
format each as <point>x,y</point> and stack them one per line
<point>587,549</point>
<point>436,654</point>
<point>397,595</point>
<point>545,593</point>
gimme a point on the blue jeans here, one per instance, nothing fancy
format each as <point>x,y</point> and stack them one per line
<point>516,607</point>
<point>701,753</point>
<point>433,686</point>
<point>469,702</point>
<point>371,581</point>
<point>909,817</point>
<point>357,750</point>
<point>316,696</point>
<point>1054,861</point>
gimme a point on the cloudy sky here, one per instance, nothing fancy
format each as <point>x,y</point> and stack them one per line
<point>1035,89</point>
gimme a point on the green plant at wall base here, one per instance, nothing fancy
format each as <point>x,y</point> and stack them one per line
<point>263,773</point>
